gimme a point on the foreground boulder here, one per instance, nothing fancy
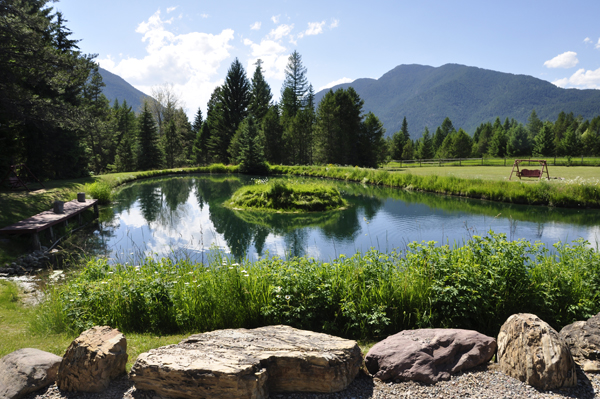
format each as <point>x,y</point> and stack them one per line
<point>26,370</point>
<point>248,364</point>
<point>428,355</point>
<point>94,358</point>
<point>533,352</point>
<point>583,339</point>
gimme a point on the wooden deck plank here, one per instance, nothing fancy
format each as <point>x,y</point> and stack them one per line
<point>46,219</point>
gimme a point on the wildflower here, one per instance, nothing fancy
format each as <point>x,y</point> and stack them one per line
<point>110,272</point>
<point>243,271</point>
<point>187,283</point>
<point>236,264</point>
<point>287,297</point>
<point>278,289</point>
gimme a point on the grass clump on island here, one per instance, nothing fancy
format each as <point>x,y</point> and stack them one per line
<point>368,295</point>
<point>286,196</point>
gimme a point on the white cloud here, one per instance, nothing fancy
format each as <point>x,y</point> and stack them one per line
<point>314,28</point>
<point>281,31</point>
<point>255,26</point>
<point>588,40</point>
<point>204,16</point>
<point>565,60</point>
<point>581,79</point>
<point>334,24</point>
<point>275,19</point>
<point>335,83</point>
<point>171,9</point>
<point>190,61</point>
<point>598,44</point>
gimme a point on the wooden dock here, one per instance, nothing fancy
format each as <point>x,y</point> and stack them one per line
<point>47,219</point>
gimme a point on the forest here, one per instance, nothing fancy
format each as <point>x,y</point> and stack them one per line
<point>54,117</point>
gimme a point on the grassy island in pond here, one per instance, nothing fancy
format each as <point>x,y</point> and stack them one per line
<point>281,196</point>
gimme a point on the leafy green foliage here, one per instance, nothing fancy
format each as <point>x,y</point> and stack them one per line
<point>368,295</point>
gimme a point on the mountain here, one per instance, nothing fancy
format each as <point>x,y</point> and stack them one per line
<point>467,95</point>
<point>117,88</point>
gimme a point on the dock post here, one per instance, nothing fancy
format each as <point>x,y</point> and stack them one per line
<point>51,233</point>
<point>36,241</point>
<point>79,218</point>
<point>96,214</point>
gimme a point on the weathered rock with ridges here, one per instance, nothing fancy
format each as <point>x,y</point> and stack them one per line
<point>533,352</point>
<point>94,358</point>
<point>26,370</point>
<point>244,363</point>
<point>583,339</point>
<point>428,355</point>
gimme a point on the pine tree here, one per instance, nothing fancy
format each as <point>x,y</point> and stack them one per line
<point>371,142</point>
<point>461,144</point>
<point>518,142</point>
<point>235,97</point>
<point>272,136</point>
<point>295,79</point>
<point>425,150</point>
<point>260,94</point>
<point>544,141</point>
<point>408,151</point>
<point>251,158</point>
<point>404,129</point>
<point>149,155</point>
<point>534,124</point>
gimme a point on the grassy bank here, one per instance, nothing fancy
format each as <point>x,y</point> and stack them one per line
<point>16,321</point>
<point>576,193</point>
<point>476,286</point>
<point>286,197</point>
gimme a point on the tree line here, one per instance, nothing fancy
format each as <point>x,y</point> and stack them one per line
<point>54,117</point>
<point>568,136</point>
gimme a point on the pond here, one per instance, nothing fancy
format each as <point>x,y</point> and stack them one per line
<point>183,217</point>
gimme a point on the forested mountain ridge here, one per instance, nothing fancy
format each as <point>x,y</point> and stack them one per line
<point>118,88</point>
<point>467,95</point>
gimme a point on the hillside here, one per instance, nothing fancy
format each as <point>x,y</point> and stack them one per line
<point>467,95</point>
<point>118,88</point>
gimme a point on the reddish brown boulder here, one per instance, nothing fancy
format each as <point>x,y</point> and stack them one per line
<point>533,352</point>
<point>94,358</point>
<point>428,355</point>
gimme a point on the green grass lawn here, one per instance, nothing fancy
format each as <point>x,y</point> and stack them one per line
<point>502,173</point>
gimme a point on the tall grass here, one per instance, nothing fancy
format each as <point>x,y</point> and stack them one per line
<point>368,295</point>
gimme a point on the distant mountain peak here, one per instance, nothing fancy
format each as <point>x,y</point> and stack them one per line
<point>118,89</point>
<point>468,95</point>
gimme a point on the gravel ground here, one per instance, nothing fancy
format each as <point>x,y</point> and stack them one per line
<point>482,383</point>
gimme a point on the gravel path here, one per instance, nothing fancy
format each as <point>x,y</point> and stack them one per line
<point>481,383</point>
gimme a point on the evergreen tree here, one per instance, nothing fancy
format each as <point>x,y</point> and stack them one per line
<point>124,137</point>
<point>571,143</point>
<point>544,141</point>
<point>425,150</point>
<point>518,142</point>
<point>371,142</point>
<point>326,130</point>
<point>149,155</point>
<point>235,97</point>
<point>198,121</point>
<point>251,158</point>
<point>171,143</point>
<point>272,136</point>
<point>398,141</point>
<point>408,151</point>
<point>446,149</point>
<point>534,124</point>
<point>295,80</point>
<point>260,95</point>
<point>404,129</point>
<point>461,144</point>
<point>497,146</point>
<point>441,133</point>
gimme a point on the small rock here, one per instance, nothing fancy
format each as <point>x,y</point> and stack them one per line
<point>94,358</point>
<point>533,352</point>
<point>26,370</point>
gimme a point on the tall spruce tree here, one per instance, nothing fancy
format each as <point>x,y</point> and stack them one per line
<point>149,155</point>
<point>251,157</point>
<point>295,79</point>
<point>272,136</point>
<point>260,94</point>
<point>425,150</point>
<point>544,141</point>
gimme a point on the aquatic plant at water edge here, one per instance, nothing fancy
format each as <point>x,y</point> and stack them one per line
<point>367,295</point>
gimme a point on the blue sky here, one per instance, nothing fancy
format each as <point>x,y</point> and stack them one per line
<point>191,44</point>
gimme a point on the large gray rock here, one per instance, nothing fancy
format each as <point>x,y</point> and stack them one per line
<point>26,370</point>
<point>533,352</point>
<point>94,358</point>
<point>248,364</point>
<point>428,355</point>
<point>583,339</point>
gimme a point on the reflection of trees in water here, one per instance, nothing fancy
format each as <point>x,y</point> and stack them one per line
<point>296,242</point>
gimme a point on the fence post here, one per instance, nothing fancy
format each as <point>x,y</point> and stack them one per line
<point>504,161</point>
<point>482,160</point>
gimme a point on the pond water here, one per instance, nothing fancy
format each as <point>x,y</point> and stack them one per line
<point>183,217</point>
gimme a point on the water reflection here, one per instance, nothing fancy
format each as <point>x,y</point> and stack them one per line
<point>183,217</point>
